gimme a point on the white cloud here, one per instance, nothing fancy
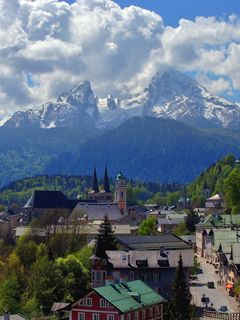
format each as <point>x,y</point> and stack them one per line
<point>57,45</point>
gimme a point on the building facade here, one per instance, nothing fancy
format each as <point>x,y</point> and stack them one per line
<point>153,262</point>
<point>119,301</point>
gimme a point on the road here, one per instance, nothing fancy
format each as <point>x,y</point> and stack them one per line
<point>218,296</point>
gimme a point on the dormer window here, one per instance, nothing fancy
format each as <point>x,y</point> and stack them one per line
<point>163,263</point>
<point>141,263</point>
<point>104,262</point>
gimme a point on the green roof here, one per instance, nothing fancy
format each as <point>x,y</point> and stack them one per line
<point>221,221</point>
<point>225,238</point>
<point>130,296</point>
<point>120,176</point>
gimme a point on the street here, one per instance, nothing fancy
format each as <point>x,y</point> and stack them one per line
<point>217,296</point>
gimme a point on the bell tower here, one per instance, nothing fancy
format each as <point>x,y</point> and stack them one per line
<point>120,193</point>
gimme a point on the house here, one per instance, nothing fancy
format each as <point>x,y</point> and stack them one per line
<point>8,316</point>
<point>229,264</point>
<point>43,202</point>
<point>168,223</point>
<point>119,301</point>
<point>8,223</point>
<point>212,222</point>
<point>152,259</point>
<point>215,204</point>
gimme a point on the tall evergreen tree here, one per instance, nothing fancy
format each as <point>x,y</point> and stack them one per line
<point>180,305</point>
<point>106,234</point>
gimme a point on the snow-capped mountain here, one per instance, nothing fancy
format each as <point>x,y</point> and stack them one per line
<point>169,95</point>
<point>78,106</point>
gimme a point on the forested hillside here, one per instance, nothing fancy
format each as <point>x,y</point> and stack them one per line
<point>143,148</point>
<point>74,186</point>
<point>222,177</point>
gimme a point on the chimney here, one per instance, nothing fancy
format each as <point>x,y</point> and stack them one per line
<point>6,316</point>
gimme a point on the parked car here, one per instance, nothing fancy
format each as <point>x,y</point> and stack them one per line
<point>223,309</point>
<point>210,285</point>
<point>210,309</point>
<point>193,277</point>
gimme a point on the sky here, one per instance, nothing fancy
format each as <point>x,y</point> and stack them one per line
<point>49,46</point>
<point>173,10</point>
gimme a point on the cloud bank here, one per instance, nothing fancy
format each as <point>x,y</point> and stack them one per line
<point>48,46</point>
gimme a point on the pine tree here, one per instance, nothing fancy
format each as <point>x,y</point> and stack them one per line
<point>106,234</point>
<point>180,304</point>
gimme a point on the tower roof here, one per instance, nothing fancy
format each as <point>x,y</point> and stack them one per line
<point>106,181</point>
<point>95,181</point>
<point>120,176</point>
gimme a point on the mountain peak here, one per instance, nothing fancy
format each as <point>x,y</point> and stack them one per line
<point>170,94</point>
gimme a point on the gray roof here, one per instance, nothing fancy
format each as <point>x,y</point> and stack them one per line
<point>14,317</point>
<point>128,259</point>
<point>97,211</point>
<point>236,253</point>
<point>171,221</point>
<point>189,238</point>
<point>168,241</point>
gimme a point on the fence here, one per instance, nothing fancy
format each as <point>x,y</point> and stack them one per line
<point>208,315</point>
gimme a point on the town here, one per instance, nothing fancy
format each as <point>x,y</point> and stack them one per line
<point>105,259</point>
<point>119,160</point>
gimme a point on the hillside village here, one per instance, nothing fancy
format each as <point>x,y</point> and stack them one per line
<point>110,260</point>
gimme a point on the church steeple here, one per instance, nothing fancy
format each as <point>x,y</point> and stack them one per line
<point>106,181</point>
<point>95,181</point>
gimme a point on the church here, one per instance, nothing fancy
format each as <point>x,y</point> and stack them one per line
<point>104,202</point>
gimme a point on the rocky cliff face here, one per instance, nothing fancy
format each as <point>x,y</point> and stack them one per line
<point>169,95</point>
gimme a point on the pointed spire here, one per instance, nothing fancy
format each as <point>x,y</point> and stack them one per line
<point>106,181</point>
<point>95,181</point>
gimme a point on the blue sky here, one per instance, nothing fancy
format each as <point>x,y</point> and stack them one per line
<point>173,10</point>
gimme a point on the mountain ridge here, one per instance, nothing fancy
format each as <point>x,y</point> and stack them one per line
<point>169,95</point>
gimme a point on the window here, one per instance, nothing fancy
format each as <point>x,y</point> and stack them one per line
<point>95,316</point>
<point>150,312</point>
<point>89,302</point>
<point>110,317</point>
<point>157,311</point>
<point>102,303</point>
<point>98,276</point>
<point>129,316</point>
<point>143,314</point>
<point>156,277</point>
<point>104,262</point>
<point>81,316</point>
<point>136,315</point>
<point>93,276</point>
<point>131,275</point>
<point>81,302</point>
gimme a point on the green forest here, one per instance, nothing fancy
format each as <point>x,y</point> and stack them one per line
<point>73,187</point>
<point>34,273</point>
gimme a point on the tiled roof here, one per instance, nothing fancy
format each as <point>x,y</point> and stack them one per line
<point>14,317</point>
<point>236,253</point>
<point>215,197</point>
<point>128,259</point>
<point>97,211</point>
<point>221,221</point>
<point>225,237</point>
<point>171,221</point>
<point>130,296</point>
<point>152,242</point>
<point>47,199</point>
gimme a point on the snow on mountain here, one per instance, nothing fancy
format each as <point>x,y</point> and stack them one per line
<point>76,107</point>
<point>169,95</point>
